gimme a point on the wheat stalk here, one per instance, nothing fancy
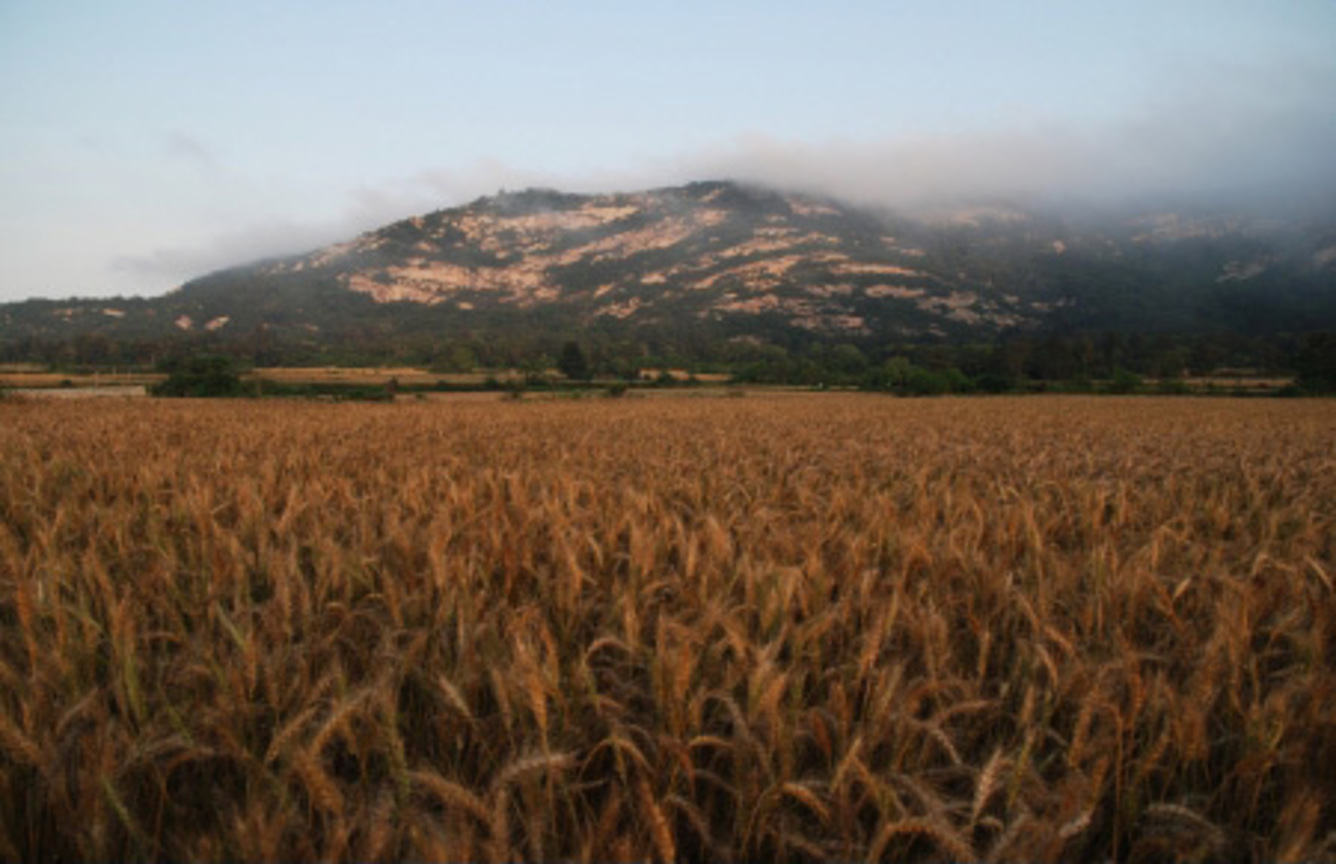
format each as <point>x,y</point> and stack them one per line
<point>659,830</point>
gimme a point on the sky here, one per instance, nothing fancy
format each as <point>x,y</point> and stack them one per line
<point>147,142</point>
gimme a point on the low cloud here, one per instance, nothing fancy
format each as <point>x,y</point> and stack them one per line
<point>1257,149</point>
<point>1210,133</point>
<point>272,238</point>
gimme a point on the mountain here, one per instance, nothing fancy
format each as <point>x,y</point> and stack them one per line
<point>718,261</point>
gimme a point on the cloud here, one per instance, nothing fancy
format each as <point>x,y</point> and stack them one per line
<point>264,239</point>
<point>1240,135</point>
<point>452,186</point>
<point>906,172</point>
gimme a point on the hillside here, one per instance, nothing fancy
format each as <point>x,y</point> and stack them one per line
<point>713,262</point>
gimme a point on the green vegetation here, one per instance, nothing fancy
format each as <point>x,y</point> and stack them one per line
<point>1316,364</point>
<point>205,376</point>
<point>1086,363</point>
<point>1104,363</point>
<point>573,363</point>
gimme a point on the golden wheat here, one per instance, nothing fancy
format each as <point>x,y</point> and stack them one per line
<point>775,628</point>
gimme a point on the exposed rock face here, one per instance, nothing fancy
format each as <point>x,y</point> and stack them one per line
<point>709,250</point>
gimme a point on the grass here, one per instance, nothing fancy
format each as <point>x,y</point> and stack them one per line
<point>794,628</point>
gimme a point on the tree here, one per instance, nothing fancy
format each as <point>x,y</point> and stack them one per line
<point>847,362</point>
<point>573,364</point>
<point>458,357</point>
<point>894,373</point>
<point>202,376</point>
<point>1316,363</point>
<point>1054,360</point>
<point>1124,381</point>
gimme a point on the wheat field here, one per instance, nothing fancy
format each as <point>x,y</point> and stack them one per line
<point>837,627</point>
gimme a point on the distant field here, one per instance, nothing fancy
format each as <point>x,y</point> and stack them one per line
<point>33,377</point>
<point>40,380</point>
<point>101,391</point>
<point>1234,382</point>
<point>813,627</point>
<point>405,375</point>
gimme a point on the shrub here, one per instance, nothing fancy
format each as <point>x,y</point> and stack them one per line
<point>202,377</point>
<point>573,363</point>
<point>1124,381</point>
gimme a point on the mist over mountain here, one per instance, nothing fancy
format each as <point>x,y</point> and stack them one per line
<point>718,263</point>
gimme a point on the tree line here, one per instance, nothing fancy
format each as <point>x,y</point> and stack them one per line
<point>1020,363</point>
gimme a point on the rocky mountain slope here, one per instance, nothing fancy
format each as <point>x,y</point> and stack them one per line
<point>736,262</point>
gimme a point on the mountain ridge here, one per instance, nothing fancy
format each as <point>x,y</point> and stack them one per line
<point>720,260</point>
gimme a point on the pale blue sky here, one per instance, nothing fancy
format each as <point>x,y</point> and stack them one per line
<point>144,142</point>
